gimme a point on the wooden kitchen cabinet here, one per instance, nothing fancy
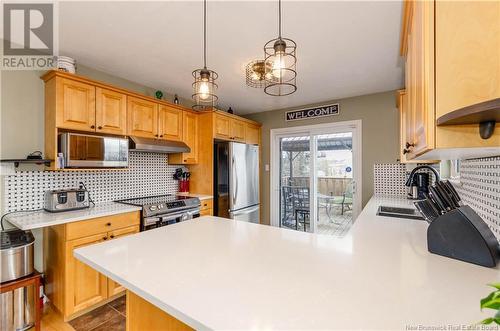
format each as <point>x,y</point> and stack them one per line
<point>452,54</point>
<point>237,130</point>
<point>252,134</point>
<point>142,118</point>
<point>222,127</point>
<point>84,286</point>
<point>72,286</point>
<point>113,287</point>
<point>110,112</point>
<point>190,138</point>
<point>206,208</point>
<point>75,105</point>
<point>169,123</point>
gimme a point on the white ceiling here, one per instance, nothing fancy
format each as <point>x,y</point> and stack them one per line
<point>345,48</point>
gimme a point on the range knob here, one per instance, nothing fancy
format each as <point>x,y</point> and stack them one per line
<point>161,205</point>
<point>152,208</point>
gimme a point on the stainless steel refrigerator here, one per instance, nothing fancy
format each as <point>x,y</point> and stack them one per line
<point>236,181</point>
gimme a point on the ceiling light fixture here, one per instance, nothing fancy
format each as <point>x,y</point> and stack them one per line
<point>204,86</point>
<point>256,74</point>
<point>280,59</point>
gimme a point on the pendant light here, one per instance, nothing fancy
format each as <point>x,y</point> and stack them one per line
<point>204,86</point>
<point>256,74</point>
<point>280,64</point>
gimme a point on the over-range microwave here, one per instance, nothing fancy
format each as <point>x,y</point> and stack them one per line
<point>90,151</point>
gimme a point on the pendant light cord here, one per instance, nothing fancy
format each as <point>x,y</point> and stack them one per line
<point>279,19</point>
<point>205,34</point>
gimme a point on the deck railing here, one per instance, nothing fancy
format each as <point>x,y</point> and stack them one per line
<point>326,185</point>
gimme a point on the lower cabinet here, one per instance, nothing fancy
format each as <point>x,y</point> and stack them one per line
<point>72,286</point>
<point>206,208</point>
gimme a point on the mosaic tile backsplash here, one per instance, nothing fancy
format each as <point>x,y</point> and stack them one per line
<point>480,188</point>
<point>390,178</point>
<point>148,174</point>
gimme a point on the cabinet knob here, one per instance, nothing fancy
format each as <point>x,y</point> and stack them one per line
<point>156,135</point>
<point>108,224</point>
<point>99,127</point>
<point>104,238</point>
<point>92,126</point>
<point>161,136</point>
<point>112,236</point>
<point>406,151</point>
<point>185,160</point>
<point>408,145</point>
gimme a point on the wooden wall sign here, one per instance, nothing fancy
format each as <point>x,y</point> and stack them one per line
<point>321,111</point>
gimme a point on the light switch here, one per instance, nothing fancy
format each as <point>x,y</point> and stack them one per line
<point>266,167</point>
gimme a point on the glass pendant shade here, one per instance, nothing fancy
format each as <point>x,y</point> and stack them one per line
<point>281,60</point>
<point>204,89</point>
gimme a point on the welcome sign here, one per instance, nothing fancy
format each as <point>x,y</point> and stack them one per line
<point>321,111</point>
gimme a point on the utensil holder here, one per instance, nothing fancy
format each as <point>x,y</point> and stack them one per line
<point>461,234</point>
<point>184,186</point>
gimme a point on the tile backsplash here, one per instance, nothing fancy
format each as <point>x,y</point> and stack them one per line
<point>148,174</point>
<point>479,186</point>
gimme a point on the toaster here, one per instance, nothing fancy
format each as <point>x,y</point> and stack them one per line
<point>66,199</point>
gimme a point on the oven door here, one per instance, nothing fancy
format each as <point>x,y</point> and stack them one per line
<point>169,219</point>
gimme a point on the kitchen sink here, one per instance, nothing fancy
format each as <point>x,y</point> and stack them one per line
<point>399,212</point>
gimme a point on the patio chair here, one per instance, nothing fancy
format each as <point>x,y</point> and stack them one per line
<point>345,200</point>
<point>287,205</point>
<point>301,206</point>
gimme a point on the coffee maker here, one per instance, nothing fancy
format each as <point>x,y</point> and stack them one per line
<point>418,182</point>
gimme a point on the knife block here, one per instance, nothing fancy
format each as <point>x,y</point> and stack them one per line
<point>461,234</point>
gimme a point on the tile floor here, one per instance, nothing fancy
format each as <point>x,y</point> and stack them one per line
<point>110,317</point>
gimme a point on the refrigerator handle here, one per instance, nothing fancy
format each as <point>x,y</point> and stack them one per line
<point>235,180</point>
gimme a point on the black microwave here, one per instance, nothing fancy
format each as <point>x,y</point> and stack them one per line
<point>90,151</point>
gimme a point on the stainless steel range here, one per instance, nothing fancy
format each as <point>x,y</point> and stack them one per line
<point>164,210</point>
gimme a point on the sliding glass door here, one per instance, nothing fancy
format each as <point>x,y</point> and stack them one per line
<point>314,173</point>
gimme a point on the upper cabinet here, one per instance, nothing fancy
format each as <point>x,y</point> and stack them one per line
<point>252,134</point>
<point>190,136</point>
<point>142,118</point>
<point>467,53</point>
<point>233,128</point>
<point>452,55</point>
<point>76,105</point>
<point>170,123</point>
<point>222,127</point>
<point>110,112</point>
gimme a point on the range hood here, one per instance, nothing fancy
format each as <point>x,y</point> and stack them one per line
<point>141,144</point>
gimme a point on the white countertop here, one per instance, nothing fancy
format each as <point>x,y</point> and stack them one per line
<point>194,195</point>
<point>41,219</point>
<point>222,274</point>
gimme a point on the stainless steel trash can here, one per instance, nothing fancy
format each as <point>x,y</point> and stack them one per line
<point>18,311</point>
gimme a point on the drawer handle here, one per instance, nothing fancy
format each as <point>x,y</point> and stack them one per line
<point>108,224</point>
<point>112,236</point>
<point>99,127</point>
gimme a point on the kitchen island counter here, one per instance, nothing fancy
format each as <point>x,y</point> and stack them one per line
<point>216,273</point>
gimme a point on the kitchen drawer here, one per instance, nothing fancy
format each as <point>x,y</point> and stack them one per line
<point>206,204</point>
<point>101,225</point>
<point>206,212</point>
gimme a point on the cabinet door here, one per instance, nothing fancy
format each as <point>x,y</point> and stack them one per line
<point>142,117</point>
<point>424,116</point>
<point>222,127</point>
<point>190,137</point>
<point>237,130</point>
<point>113,287</point>
<point>75,108</point>
<point>467,54</point>
<point>252,134</point>
<point>84,285</point>
<point>169,123</point>
<point>111,112</point>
